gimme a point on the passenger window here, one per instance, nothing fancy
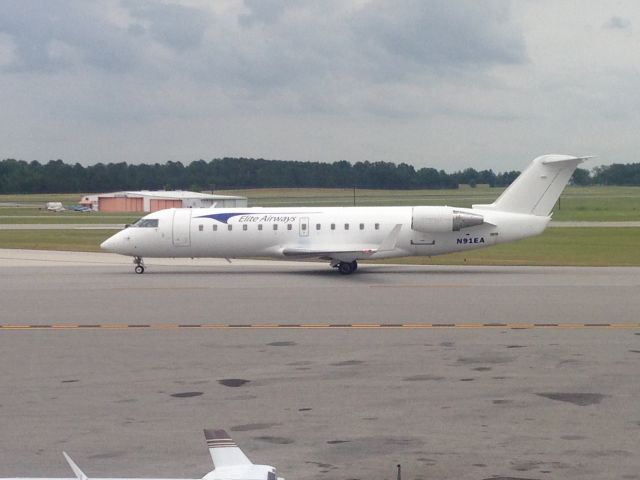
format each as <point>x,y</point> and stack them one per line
<point>317,226</point>
<point>244,227</point>
<point>275,226</point>
<point>215,228</point>
<point>377,226</point>
<point>289,227</point>
<point>362,226</point>
<point>333,226</point>
<point>229,227</point>
<point>201,227</point>
<point>346,226</point>
<point>260,226</point>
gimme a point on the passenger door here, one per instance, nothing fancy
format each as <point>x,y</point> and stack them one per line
<point>182,227</point>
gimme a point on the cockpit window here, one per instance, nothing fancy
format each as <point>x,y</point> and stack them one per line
<point>146,223</point>
<point>271,476</point>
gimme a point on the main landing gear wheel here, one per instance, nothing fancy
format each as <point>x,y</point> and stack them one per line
<point>347,268</point>
<point>139,265</point>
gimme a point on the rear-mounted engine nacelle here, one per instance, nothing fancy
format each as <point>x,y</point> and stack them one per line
<point>442,219</point>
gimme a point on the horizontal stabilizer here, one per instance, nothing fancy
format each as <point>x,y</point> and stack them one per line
<point>76,470</point>
<point>224,451</point>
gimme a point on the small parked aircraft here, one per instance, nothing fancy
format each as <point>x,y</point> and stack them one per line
<point>344,235</point>
<point>230,463</point>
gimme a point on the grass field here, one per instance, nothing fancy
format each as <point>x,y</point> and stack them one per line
<point>576,246</point>
<point>576,203</point>
<point>70,240</point>
<point>557,246</point>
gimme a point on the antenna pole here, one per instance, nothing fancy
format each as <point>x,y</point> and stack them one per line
<point>399,474</point>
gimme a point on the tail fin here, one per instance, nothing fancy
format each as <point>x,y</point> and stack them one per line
<point>224,451</point>
<point>538,187</point>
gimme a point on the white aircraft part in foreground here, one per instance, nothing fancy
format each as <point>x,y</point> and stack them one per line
<point>344,235</point>
<point>230,463</point>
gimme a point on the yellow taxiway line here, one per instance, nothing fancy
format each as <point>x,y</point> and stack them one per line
<point>328,326</point>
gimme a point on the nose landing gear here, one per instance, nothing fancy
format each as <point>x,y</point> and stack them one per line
<point>139,265</point>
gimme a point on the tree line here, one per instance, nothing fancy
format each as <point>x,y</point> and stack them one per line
<point>56,176</point>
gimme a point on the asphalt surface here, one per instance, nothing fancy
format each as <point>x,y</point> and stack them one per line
<point>470,401</point>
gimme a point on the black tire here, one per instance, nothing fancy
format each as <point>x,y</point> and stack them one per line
<point>354,265</point>
<point>345,268</point>
<point>139,269</point>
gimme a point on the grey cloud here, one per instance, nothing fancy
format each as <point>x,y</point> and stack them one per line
<point>440,33</point>
<point>618,23</point>
<point>262,12</point>
<point>311,47</point>
<point>50,34</point>
<point>176,26</point>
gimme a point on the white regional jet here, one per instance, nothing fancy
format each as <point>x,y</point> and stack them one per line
<point>230,463</point>
<point>344,235</point>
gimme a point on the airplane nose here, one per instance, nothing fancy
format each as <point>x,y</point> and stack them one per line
<point>110,244</point>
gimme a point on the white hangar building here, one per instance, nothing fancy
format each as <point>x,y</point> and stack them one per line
<point>151,201</point>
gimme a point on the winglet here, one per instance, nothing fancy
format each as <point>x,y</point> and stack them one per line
<point>76,470</point>
<point>389,243</point>
<point>224,451</point>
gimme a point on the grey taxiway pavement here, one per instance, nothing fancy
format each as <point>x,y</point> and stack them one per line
<point>481,372</point>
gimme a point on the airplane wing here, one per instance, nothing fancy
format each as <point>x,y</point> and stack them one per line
<point>224,451</point>
<point>358,251</point>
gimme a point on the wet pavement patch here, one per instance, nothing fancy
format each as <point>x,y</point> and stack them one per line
<point>634,351</point>
<point>186,394</point>
<point>305,409</point>
<point>501,402</point>
<point>108,455</point>
<point>573,437</point>
<point>276,440</point>
<point>321,465</point>
<point>233,382</point>
<point>490,359</point>
<point>580,399</point>
<point>347,363</point>
<point>335,442</point>
<point>467,379</point>
<point>516,346</point>
<point>282,344</point>
<point>422,378</point>
<point>482,369</point>
<point>69,381</point>
<point>253,426</point>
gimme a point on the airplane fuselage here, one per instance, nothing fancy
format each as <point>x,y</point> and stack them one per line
<point>344,235</point>
<point>290,232</point>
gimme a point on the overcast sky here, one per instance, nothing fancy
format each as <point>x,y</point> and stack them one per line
<point>442,83</point>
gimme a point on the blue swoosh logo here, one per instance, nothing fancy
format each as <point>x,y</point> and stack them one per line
<point>224,217</point>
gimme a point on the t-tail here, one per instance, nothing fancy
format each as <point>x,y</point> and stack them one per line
<point>538,187</point>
